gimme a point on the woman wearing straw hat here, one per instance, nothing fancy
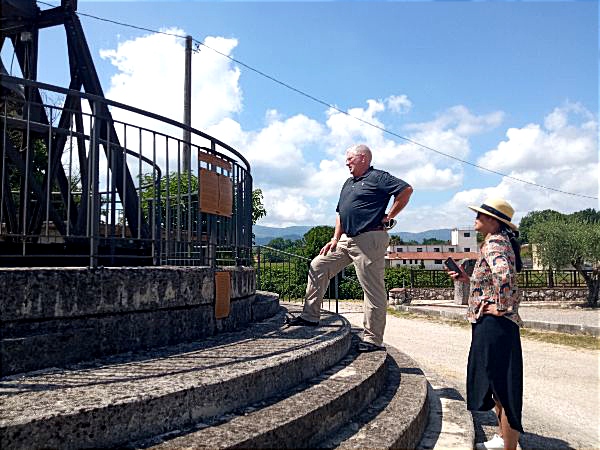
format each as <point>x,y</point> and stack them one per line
<point>495,367</point>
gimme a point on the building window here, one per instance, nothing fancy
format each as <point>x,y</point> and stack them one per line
<point>467,235</point>
<point>419,249</point>
<point>403,261</point>
<point>451,250</point>
<point>399,249</point>
<point>467,249</point>
<point>437,261</point>
<point>436,249</point>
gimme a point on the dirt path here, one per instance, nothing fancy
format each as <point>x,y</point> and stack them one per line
<point>562,394</point>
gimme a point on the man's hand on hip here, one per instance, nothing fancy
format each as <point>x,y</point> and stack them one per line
<point>329,247</point>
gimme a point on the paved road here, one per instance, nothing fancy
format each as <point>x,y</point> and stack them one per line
<point>561,399</point>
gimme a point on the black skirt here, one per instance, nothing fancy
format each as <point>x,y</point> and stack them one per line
<point>495,368</point>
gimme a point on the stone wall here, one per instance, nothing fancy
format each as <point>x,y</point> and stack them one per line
<point>528,295</point>
<point>554,295</point>
<point>422,294</point>
<point>57,316</point>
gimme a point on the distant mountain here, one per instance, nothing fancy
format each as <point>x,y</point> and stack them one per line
<point>443,234</point>
<point>266,234</point>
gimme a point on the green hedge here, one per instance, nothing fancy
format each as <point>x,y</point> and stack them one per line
<point>289,280</point>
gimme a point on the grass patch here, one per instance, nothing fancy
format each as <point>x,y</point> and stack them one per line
<point>437,319</point>
<point>550,337</point>
<point>570,340</point>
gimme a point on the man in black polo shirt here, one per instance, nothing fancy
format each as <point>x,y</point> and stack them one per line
<point>360,237</point>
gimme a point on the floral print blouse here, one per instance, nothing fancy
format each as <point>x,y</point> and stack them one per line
<point>495,279</point>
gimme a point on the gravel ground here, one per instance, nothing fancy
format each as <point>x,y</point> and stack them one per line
<point>561,399</point>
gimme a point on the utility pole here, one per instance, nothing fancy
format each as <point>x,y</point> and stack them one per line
<point>187,105</point>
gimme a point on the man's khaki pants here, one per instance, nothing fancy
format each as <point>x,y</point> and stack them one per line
<point>367,252</point>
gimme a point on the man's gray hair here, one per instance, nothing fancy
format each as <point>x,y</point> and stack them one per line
<point>361,149</point>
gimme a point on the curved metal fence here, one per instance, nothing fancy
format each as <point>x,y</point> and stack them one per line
<point>89,181</point>
<point>285,273</point>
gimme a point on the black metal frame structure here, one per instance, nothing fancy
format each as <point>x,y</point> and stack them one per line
<point>125,206</point>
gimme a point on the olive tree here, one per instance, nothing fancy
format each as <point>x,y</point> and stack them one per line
<point>567,240</point>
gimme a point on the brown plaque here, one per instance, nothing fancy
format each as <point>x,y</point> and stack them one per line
<point>216,193</point>
<point>225,196</point>
<point>214,160</point>
<point>222,294</point>
<point>209,191</point>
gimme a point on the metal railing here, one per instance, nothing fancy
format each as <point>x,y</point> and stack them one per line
<point>89,181</point>
<point>551,278</point>
<point>286,274</point>
<point>525,279</point>
<point>429,279</point>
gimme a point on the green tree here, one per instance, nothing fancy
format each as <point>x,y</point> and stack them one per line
<point>566,240</point>
<point>434,241</point>
<point>177,187</point>
<point>586,215</point>
<point>349,287</point>
<point>289,281</point>
<point>281,243</point>
<point>258,210</point>
<point>395,239</point>
<point>396,277</point>
<point>285,245</point>
<point>533,217</point>
<point>171,191</point>
<point>314,240</point>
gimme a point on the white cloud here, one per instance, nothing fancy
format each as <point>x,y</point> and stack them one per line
<point>151,72</point>
<point>298,161</point>
<point>560,142</point>
<point>272,115</point>
<point>562,154</point>
<point>423,169</point>
<point>436,179</point>
<point>450,130</point>
<point>400,104</point>
<point>345,129</point>
<point>289,207</point>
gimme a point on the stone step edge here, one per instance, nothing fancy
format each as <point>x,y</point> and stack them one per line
<point>450,423</point>
<point>111,425</point>
<point>397,418</point>
<point>302,416</point>
<point>265,305</point>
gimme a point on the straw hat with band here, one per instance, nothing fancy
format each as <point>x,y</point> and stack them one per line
<point>497,208</point>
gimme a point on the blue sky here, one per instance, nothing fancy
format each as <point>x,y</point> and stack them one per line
<point>511,86</point>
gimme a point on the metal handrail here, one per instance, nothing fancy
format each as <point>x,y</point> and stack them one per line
<point>156,219</point>
<point>267,270</point>
<point>65,91</point>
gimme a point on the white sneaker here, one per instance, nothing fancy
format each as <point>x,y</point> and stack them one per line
<point>496,443</point>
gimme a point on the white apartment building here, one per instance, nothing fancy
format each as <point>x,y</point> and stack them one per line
<point>463,245</point>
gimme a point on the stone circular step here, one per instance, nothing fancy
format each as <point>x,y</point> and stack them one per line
<point>118,399</point>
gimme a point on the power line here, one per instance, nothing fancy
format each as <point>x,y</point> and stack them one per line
<point>329,105</point>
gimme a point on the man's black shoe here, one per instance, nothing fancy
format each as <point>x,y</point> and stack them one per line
<point>299,321</point>
<point>365,347</point>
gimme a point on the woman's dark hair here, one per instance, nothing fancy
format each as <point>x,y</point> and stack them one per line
<point>513,236</point>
